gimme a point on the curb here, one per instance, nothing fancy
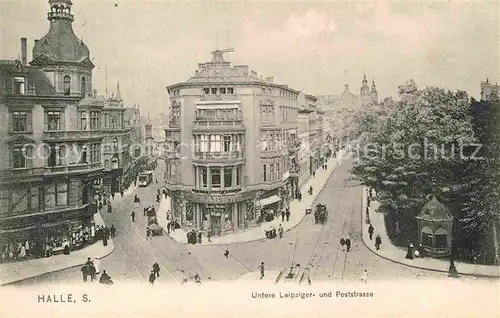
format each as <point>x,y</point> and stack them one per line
<point>404,264</point>
<point>57,270</point>
<point>264,238</point>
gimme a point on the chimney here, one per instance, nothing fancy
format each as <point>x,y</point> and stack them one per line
<point>24,51</point>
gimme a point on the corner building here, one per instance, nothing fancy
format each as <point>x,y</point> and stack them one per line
<point>231,147</point>
<point>50,148</point>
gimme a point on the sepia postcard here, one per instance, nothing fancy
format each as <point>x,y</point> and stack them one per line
<point>249,158</point>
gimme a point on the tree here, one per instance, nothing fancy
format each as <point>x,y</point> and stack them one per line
<point>413,152</point>
<point>481,199</point>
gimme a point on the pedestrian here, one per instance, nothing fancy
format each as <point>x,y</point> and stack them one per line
<point>112,231</point>
<point>121,193</point>
<point>84,273</point>
<point>287,214</point>
<point>148,233</point>
<point>283,215</point>
<point>348,243</point>
<point>145,210</point>
<point>104,240</point>
<point>88,262</point>
<point>133,216</point>
<point>364,276</point>
<point>226,253</point>
<point>326,166</point>
<point>421,250</point>
<point>199,237</point>
<point>378,242</point>
<point>342,243</point>
<point>97,265</point>
<point>370,231</point>
<point>197,279</point>
<point>409,252</point>
<point>110,209</point>
<point>168,227</point>
<point>209,235</point>
<point>280,231</point>
<point>156,269</point>
<point>368,201</point>
<point>152,278</point>
<point>112,195</point>
<point>92,272</point>
<point>262,270</point>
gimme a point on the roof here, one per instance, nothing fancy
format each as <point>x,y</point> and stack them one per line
<point>435,211</point>
<point>36,78</point>
<point>61,44</point>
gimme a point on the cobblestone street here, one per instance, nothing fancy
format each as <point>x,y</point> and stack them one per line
<point>310,245</point>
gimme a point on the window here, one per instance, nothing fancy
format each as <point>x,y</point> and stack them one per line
<point>227,143</point>
<point>215,143</point>
<point>52,155</point>
<point>214,90</point>
<point>35,198</point>
<point>206,90</point>
<point>67,85</point>
<point>215,177</point>
<point>19,86</point>
<point>228,177</point>
<point>56,195</point>
<point>94,120</point>
<point>19,200</point>
<point>271,173</point>
<point>53,120</point>
<point>269,91</point>
<point>95,153</point>
<point>203,143</point>
<point>264,173</point>
<point>4,201</point>
<point>230,90</point>
<point>115,144</point>
<point>113,122</point>
<point>203,177</point>
<point>223,90</point>
<point>238,175</point>
<point>83,120</point>
<point>263,91</point>
<point>277,171</point>
<point>84,87</point>
<point>106,120</point>
<point>83,154</point>
<point>21,121</point>
<point>18,157</point>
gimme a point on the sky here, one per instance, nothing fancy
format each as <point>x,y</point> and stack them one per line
<point>316,47</point>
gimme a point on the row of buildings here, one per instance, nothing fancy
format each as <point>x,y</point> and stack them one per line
<point>238,143</point>
<point>63,148</point>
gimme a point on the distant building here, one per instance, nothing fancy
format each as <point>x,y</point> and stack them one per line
<point>135,150</point>
<point>489,91</point>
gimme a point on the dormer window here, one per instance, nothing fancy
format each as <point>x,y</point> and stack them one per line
<point>19,86</point>
<point>230,90</point>
<point>206,90</point>
<point>214,91</point>
<point>67,85</point>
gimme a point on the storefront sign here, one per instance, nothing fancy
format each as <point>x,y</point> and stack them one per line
<point>218,199</point>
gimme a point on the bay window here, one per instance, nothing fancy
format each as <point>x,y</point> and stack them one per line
<point>95,153</point>
<point>215,177</point>
<point>82,124</point>
<point>94,120</point>
<point>55,195</point>
<point>228,177</point>
<point>215,143</point>
<point>203,177</point>
<point>227,143</point>
<point>67,85</point>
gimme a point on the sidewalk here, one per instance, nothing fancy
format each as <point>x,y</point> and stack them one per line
<point>269,276</point>
<point>397,255</point>
<point>297,212</point>
<point>20,270</point>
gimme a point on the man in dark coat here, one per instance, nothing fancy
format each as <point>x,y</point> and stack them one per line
<point>342,242</point>
<point>378,242</point>
<point>370,231</point>
<point>85,272</point>
<point>112,231</point>
<point>133,216</point>
<point>348,244</point>
<point>152,278</point>
<point>287,214</point>
<point>156,269</point>
<point>282,215</point>
<point>409,252</point>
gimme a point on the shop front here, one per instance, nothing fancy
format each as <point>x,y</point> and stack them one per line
<point>45,234</point>
<point>270,205</point>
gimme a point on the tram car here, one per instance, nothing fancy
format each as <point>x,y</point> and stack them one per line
<point>320,214</point>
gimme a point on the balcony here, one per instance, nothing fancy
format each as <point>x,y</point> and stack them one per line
<point>74,168</point>
<point>218,97</point>
<point>204,124</point>
<point>72,135</point>
<point>20,173</point>
<point>272,153</point>
<point>223,155</point>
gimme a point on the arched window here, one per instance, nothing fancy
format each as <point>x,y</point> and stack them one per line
<point>106,164</point>
<point>114,163</point>
<point>115,143</point>
<point>84,87</point>
<point>426,236</point>
<point>441,237</point>
<point>67,85</point>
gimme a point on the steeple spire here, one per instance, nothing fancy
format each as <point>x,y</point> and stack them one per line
<point>118,93</point>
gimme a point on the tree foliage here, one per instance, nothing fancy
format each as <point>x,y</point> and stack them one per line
<point>411,150</point>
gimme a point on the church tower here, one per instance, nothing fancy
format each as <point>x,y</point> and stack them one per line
<point>63,57</point>
<point>373,93</point>
<point>364,93</point>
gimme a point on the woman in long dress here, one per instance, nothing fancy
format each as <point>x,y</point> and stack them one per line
<point>97,265</point>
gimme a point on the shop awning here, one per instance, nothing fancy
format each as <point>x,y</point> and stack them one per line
<point>270,200</point>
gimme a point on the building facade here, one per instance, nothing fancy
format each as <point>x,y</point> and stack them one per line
<point>489,91</point>
<point>231,147</point>
<point>50,145</point>
<point>134,158</point>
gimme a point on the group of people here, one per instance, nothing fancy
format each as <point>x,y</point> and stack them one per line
<point>155,272</point>
<point>92,268</point>
<point>271,233</point>
<point>378,239</point>
<point>285,213</point>
<point>417,252</point>
<point>104,233</point>
<point>194,236</point>
<point>345,242</point>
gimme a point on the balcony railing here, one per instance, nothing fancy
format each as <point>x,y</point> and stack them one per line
<point>219,124</point>
<point>20,173</point>
<point>272,153</point>
<point>223,155</point>
<point>72,135</point>
<point>74,168</point>
<point>218,97</point>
